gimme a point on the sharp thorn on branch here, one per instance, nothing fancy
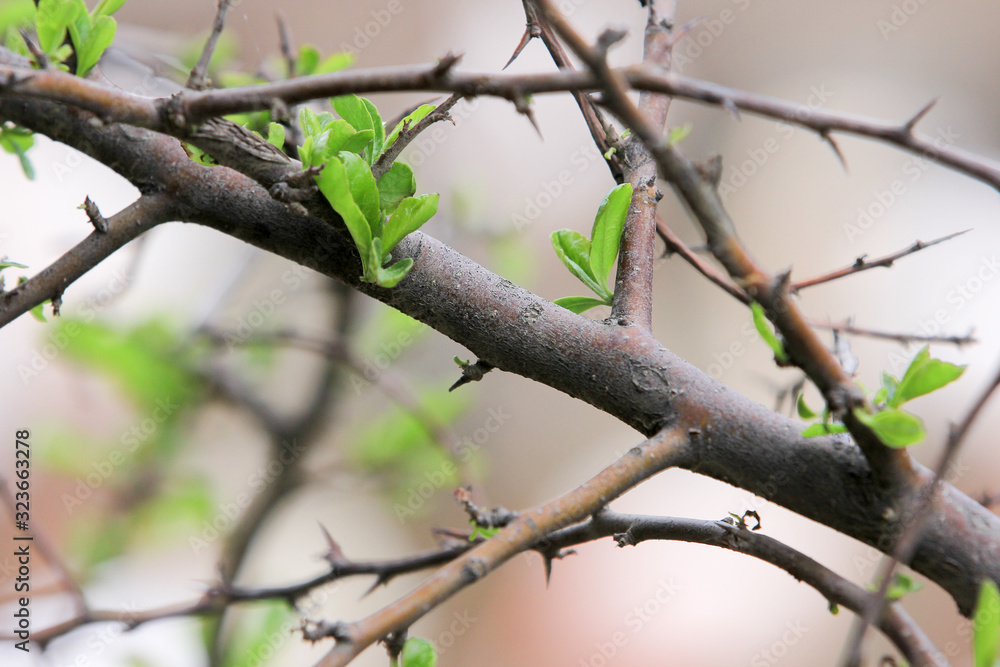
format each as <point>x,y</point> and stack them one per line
<point>99,221</point>
<point>828,138</point>
<point>530,32</point>
<point>917,117</point>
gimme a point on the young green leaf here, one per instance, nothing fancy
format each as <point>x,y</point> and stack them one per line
<point>677,134</point>
<point>91,40</point>
<point>823,428</point>
<point>923,376</point>
<point>335,186</point>
<point>107,8</point>
<point>6,264</point>
<point>573,249</point>
<point>607,232</point>
<point>418,652</point>
<point>52,19</point>
<point>890,384</point>
<point>903,584</point>
<point>396,185</point>
<point>335,62</point>
<point>804,411</point>
<point>38,312</point>
<point>310,122</point>
<point>362,115</point>
<point>391,275</point>
<point>308,58</point>
<point>764,329</point>
<point>18,140</point>
<point>579,304</point>
<point>895,428</point>
<point>411,213</point>
<point>276,135</point>
<point>986,625</point>
<point>378,143</point>
<point>412,119</point>
<point>363,190</point>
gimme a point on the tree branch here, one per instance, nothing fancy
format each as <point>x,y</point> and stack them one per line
<point>664,450</point>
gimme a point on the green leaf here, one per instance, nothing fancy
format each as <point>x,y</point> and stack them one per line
<point>17,140</point>
<point>396,185</point>
<point>52,19</point>
<point>378,143</point>
<point>418,652</point>
<point>362,115</point>
<point>804,411</point>
<point>823,428</point>
<point>335,63</point>
<point>893,427</point>
<point>257,631</point>
<point>310,122</point>
<point>363,189</point>
<point>98,39</point>
<point>107,8</point>
<point>573,249</point>
<point>607,232</point>
<point>334,185</point>
<point>924,376</point>
<point>308,58</point>
<point>579,304</point>
<point>6,264</point>
<point>677,134</point>
<point>412,119</point>
<point>390,276</point>
<point>38,312</point>
<point>903,584</point>
<point>276,135</point>
<point>986,625</point>
<point>411,213</point>
<point>764,329</point>
<point>16,14</point>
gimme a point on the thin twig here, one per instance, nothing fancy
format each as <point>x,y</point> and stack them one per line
<point>848,328</point>
<point>408,134</point>
<point>862,264</point>
<point>664,450</point>
<point>199,74</point>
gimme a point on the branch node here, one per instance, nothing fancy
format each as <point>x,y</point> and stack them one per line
<point>471,372</point>
<point>445,64</point>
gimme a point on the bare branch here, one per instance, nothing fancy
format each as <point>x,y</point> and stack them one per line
<point>196,81</point>
<point>862,264</point>
<point>658,453</point>
<point>848,328</point>
<point>50,283</point>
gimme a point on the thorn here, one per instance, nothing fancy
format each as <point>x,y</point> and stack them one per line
<point>334,555</point>
<point>445,65</point>
<point>731,107</point>
<point>530,32</point>
<point>56,305</point>
<point>684,29</point>
<point>548,569</point>
<point>472,373</point>
<point>380,580</point>
<point>910,124</point>
<point>825,135</point>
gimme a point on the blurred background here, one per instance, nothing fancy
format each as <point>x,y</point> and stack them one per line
<point>142,469</point>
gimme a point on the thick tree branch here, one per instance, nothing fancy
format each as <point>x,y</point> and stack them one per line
<point>616,369</point>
